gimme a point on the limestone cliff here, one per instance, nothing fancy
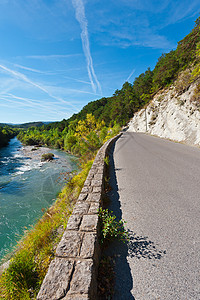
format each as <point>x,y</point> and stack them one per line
<point>173,114</point>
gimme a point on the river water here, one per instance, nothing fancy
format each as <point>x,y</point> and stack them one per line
<point>27,186</point>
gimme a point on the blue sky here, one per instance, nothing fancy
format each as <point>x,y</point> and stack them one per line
<point>56,56</point>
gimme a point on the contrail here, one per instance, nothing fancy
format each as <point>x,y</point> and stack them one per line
<point>132,72</point>
<point>31,103</point>
<point>29,69</point>
<point>24,78</point>
<point>81,18</point>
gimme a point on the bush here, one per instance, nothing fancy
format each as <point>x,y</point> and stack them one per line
<point>196,96</point>
<point>47,157</point>
<point>183,82</point>
<point>111,228</point>
<point>23,274</point>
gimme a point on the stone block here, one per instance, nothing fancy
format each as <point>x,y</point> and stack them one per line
<point>96,197</point>
<point>95,163</point>
<point>88,246</point>
<point>82,196</point>
<point>87,182</point>
<point>100,169</point>
<point>97,189</point>
<point>76,297</point>
<point>98,176</point>
<point>70,244</point>
<point>81,208</point>
<point>82,278</point>
<point>90,175</point>
<point>86,189</point>
<point>89,223</point>
<point>94,208</point>
<point>74,222</point>
<point>96,183</point>
<point>93,169</point>
<point>57,280</point>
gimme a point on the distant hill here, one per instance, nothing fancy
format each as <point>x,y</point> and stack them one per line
<point>31,124</point>
<point>25,125</point>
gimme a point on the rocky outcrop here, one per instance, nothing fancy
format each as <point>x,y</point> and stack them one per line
<point>172,115</point>
<point>73,272</point>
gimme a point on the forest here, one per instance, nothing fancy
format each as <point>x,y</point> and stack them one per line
<point>87,130</point>
<point>6,133</point>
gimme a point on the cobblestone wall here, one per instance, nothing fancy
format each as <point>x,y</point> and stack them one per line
<point>73,272</point>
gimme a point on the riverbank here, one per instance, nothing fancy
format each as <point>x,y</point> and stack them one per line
<point>28,187</point>
<point>29,265</point>
<point>36,250</point>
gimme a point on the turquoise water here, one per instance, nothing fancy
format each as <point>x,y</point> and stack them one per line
<point>27,186</point>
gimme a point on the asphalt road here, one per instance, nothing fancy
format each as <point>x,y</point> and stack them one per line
<point>156,189</point>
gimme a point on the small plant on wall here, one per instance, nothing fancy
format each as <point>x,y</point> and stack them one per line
<point>111,228</point>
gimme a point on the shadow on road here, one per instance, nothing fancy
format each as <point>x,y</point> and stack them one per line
<point>137,246</point>
<point>118,250</point>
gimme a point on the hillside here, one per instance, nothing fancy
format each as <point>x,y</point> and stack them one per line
<point>120,108</point>
<point>181,65</point>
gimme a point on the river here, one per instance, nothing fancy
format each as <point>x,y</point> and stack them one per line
<point>27,187</point>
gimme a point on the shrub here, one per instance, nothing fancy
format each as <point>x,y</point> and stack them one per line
<point>196,96</point>
<point>47,156</point>
<point>111,228</point>
<point>22,272</point>
<point>183,82</point>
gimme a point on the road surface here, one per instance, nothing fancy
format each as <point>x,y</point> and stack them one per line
<point>156,190</point>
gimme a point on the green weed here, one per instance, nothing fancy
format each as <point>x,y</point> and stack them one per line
<point>106,160</point>
<point>111,228</point>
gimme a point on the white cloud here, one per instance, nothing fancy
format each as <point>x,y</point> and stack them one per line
<point>180,10</point>
<point>125,23</point>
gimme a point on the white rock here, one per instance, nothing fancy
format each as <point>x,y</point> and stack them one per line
<point>171,116</point>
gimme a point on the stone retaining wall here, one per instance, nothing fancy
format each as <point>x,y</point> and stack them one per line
<point>73,272</point>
